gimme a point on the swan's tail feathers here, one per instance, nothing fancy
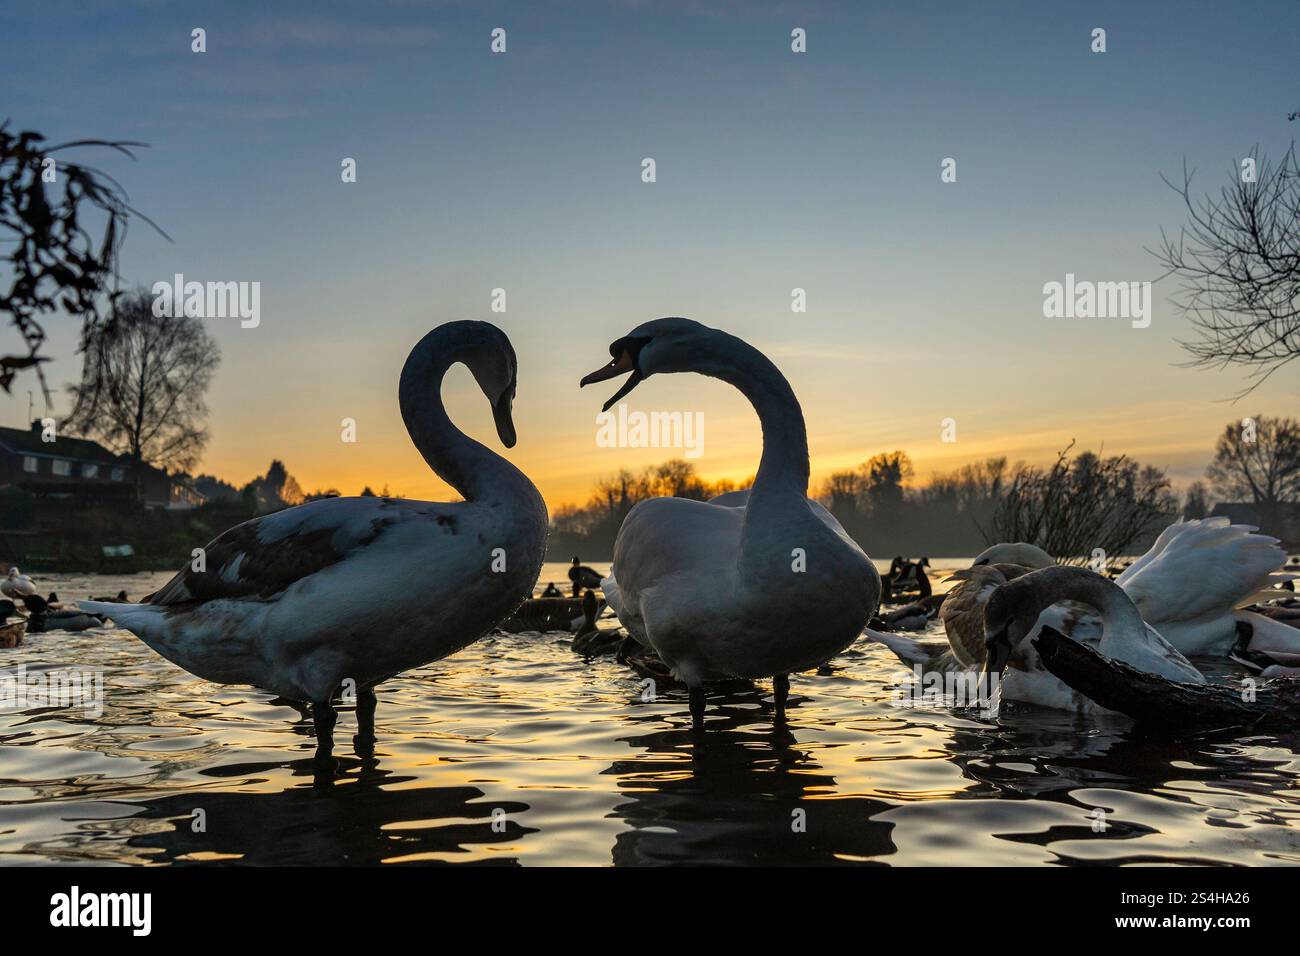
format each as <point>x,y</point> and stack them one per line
<point>143,620</point>
<point>910,650</point>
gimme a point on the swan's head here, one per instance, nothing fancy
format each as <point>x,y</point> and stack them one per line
<point>13,573</point>
<point>1013,609</point>
<point>495,369</point>
<point>1009,616</point>
<point>1018,552</point>
<point>664,345</point>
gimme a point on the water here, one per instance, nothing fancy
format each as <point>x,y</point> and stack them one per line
<point>515,751</point>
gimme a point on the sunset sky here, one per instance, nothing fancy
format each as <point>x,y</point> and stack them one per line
<point>775,170</point>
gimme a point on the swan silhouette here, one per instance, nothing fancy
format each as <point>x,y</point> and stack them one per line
<point>356,590</point>
<point>722,589</point>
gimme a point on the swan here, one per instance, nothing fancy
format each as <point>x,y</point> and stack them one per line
<point>1191,585</point>
<point>1017,552</point>
<point>1193,581</point>
<point>721,589</point>
<point>17,585</point>
<point>1014,615</point>
<point>359,589</point>
<point>1076,611</point>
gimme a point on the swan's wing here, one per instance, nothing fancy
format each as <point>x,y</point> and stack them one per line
<point>962,611</point>
<point>668,536</point>
<point>267,555</point>
<point>740,499</point>
<point>731,499</point>
<point>1200,568</point>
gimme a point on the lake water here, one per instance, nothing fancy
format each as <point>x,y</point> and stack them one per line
<point>516,751</point>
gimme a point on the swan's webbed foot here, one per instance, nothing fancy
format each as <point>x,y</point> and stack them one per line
<point>781,693</point>
<point>697,708</point>
<point>324,716</point>
<point>364,741</point>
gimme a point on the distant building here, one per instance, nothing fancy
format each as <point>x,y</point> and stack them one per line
<point>1287,525</point>
<point>85,472</point>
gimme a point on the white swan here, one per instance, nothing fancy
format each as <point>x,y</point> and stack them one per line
<point>1192,581</point>
<point>359,589</point>
<point>17,585</point>
<point>722,589</point>
<point>1018,553</point>
<point>1017,611</point>
<point>1190,585</point>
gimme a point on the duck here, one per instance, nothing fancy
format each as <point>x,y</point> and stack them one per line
<point>582,576</point>
<point>720,589</point>
<point>42,617</point>
<point>340,594</point>
<point>1014,616</point>
<point>915,576</point>
<point>889,581</point>
<point>552,591</point>
<point>589,641</point>
<point>11,635</point>
<point>17,585</point>
<point>121,598</point>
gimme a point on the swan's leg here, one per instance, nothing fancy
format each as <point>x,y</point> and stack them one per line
<point>781,692</point>
<point>364,741</point>
<point>324,715</point>
<point>697,708</point>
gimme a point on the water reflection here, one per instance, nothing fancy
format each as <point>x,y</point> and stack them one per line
<point>516,751</point>
<point>367,815</point>
<point>741,791</point>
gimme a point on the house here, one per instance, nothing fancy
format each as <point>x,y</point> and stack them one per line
<point>1286,526</point>
<point>85,472</point>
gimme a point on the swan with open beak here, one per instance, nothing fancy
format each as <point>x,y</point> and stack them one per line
<point>625,352</point>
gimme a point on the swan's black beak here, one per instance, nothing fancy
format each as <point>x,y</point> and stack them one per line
<point>997,650</point>
<point>625,352</point>
<point>504,422</point>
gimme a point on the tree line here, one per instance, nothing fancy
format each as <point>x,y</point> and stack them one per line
<point>1072,507</point>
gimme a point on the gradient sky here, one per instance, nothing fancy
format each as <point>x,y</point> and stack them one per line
<point>775,170</point>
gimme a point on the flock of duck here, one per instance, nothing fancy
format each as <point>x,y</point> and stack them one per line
<point>343,593</point>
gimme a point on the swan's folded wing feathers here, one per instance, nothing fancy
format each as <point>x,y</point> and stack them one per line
<point>265,556</point>
<point>1200,567</point>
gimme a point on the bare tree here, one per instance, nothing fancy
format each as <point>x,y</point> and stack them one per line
<point>1238,258</point>
<point>1081,504</point>
<point>1196,502</point>
<point>143,384</point>
<point>55,262</point>
<point>1259,462</point>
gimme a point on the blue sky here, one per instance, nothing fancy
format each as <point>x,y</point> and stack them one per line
<point>775,170</point>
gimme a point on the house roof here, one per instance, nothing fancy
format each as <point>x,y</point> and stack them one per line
<point>29,442</point>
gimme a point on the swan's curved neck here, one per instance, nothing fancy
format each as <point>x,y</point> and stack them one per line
<point>1119,616</point>
<point>476,472</point>
<point>783,468</point>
